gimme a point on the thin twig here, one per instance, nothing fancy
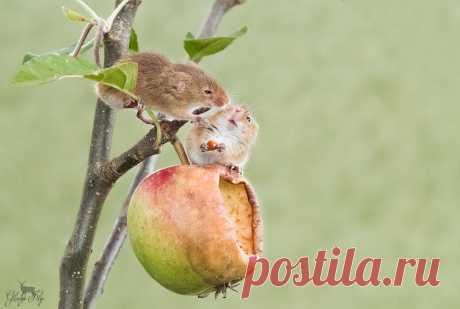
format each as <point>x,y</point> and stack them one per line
<point>118,235</point>
<point>88,9</point>
<point>218,10</point>
<point>74,263</point>
<point>82,39</point>
<point>180,150</point>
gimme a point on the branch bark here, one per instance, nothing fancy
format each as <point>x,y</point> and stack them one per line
<point>115,241</point>
<point>118,235</point>
<point>74,262</point>
<point>115,168</point>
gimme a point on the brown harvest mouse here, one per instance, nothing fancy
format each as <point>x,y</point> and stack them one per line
<point>224,138</point>
<point>179,91</point>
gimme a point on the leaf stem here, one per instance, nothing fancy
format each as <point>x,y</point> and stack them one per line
<point>157,125</point>
<point>82,39</point>
<point>88,9</point>
<point>180,150</point>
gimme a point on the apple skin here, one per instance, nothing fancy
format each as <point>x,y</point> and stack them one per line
<point>193,228</point>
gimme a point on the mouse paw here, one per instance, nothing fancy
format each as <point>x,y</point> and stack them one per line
<point>212,145</point>
<point>235,169</point>
<point>220,147</point>
<point>140,113</point>
<point>204,147</point>
<point>131,103</point>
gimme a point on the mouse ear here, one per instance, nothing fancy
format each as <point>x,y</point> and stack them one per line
<point>179,86</point>
<point>180,81</point>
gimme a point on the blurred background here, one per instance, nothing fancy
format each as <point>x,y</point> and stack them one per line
<point>358,104</point>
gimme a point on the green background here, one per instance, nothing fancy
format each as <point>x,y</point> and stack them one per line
<point>358,106</point>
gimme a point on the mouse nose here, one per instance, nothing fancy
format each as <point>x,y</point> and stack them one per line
<point>221,100</point>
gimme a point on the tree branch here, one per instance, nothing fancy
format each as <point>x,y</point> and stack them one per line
<point>117,237</point>
<point>115,168</point>
<point>115,241</point>
<point>74,262</point>
<point>218,10</point>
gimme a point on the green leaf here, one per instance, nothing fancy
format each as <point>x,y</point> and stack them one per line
<point>199,48</point>
<point>28,56</point>
<point>189,36</point>
<point>133,42</point>
<point>47,68</point>
<point>74,15</point>
<point>43,69</point>
<point>122,76</point>
<point>63,51</point>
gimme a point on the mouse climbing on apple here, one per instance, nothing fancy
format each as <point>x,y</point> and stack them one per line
<point>224,138</point>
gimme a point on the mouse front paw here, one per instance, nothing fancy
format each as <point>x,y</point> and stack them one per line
<point>235,169</point>
<point>204,147</point>
<point>140,113</point>
<point>220,147</point>
<point>212,145</point>
<point>131,103</point>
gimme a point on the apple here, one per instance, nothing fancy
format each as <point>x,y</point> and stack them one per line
<point>193,228</point>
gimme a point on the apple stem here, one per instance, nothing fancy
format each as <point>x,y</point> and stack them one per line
<point>180,150</point>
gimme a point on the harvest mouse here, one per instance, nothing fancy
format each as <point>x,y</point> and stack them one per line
<point>179,91</point>
<point>223,138</point>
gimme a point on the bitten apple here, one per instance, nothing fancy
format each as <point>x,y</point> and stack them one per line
<point>193,228</point>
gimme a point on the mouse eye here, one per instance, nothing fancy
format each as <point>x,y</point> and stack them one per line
<point>249,119</point>
<point>208,91</point>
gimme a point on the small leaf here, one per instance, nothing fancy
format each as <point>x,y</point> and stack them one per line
<point>62,51</point>
<point>189,36</point>
<point>199,48</point>
<point>133,42</point>
<point>74,15</point>
<point>28,56</point>
<point>122,76</point>
<point>47,68</point>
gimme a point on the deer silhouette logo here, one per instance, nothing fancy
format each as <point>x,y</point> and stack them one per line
<point>24,294</point>
<point>27,289</point>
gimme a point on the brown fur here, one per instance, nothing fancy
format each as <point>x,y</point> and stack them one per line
<point>172,89</point>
